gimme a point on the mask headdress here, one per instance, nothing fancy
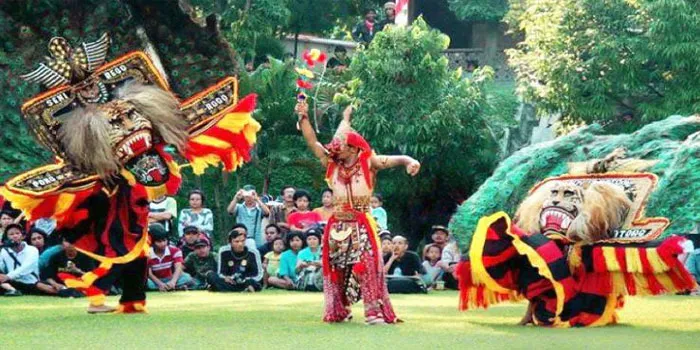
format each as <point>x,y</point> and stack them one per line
<point>69,65</point>
<point>345,137</point>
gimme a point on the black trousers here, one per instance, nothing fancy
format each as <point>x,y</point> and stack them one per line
<point>450,281</point>
<point>218,284</point>
<point>25,288</point>
<point>132,278</point>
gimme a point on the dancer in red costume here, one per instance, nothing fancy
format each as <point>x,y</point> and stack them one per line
<point>352,261</point>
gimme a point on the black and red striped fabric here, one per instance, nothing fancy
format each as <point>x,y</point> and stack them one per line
<point>566,285</point>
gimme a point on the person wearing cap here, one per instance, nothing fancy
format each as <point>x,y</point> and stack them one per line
<point>390,13</point>
<point>249,213</point>
<point>440,236</point>
<point>239,269</point>
<point>165,263</point>
<point>191,235</point>
<point>450,254</point>
<point>200,263</point>
<point>309,266</point>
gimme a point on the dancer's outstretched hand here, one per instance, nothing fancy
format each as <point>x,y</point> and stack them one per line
<point>413,168</point>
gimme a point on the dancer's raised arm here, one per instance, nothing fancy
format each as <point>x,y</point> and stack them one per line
<point>302,110</point>
<point>380,162</point>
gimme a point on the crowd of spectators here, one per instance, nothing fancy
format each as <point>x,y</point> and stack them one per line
<point>274,244</point>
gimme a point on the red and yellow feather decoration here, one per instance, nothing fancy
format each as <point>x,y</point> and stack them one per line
<point>227,141</point>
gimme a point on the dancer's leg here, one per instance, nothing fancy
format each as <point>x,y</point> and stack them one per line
<point>375,296</point>
<point>337,306</point>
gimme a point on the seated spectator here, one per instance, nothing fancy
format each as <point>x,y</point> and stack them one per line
<point>165,263</point>
<point>440,236</point>
<point>239,268</point>
<point>450,254</point>
<point>200,263</point>
<point>403,268</point>
<point>387,245</point>
<point>280,212</point>
<point>327,209</point>
<point>191,235</point>
<point>287,276</point>
<point>20,261</point>
<point>47,225</point>
<point>163,210</point>
<point>272,232</point>
<point>303,218</point>
<point>378,212</point>
<point>432,266</point>
<point>196,215</point>
<point>52,244</point>
<point>271,261</point>
<point>249,213</point>
<point>67,260</point>
<point>6,219</point>
<point>37,239</point>
<point>340,61</point>
<point>450,258</point>
<point>309,268</point>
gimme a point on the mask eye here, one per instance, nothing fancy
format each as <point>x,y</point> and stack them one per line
<point>568,193</point>
<point>554,193</point>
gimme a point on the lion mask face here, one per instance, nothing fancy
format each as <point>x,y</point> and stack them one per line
<point>560,209</point>
<point>566,211</point>
<point>104,138</point>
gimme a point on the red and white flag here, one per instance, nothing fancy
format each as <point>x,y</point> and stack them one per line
<point>401,13</point>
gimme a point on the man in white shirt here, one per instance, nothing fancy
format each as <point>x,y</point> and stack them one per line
<point>163,210</point>
<point>21,262</point>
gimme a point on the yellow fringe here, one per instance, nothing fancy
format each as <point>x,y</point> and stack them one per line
<point>96,300</point>
<point>609,315</point>
<point>633,261</point>
<point>657,264</point>
<point>610,259</point>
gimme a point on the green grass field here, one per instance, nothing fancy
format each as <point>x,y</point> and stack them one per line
<point>281,320</point>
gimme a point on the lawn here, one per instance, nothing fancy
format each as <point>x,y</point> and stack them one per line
<point>283,320</point>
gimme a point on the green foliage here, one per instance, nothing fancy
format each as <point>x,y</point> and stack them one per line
<point>280,156</point>
<point>673,141</point>
<point>411,102</point>
<point>598,60</point>
<point>192,56</point>
<point>247,23</point>
<point>479,10</point>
